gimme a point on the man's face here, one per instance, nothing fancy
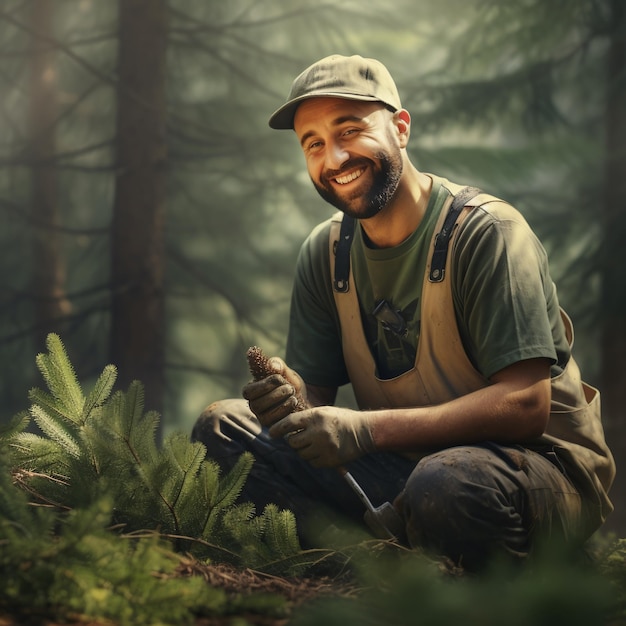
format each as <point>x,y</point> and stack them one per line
<point>352,153</point>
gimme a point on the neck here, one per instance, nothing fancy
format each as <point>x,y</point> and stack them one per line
<point>401,217</point>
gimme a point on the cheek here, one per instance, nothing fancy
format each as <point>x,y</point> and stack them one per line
<point>314,167</point>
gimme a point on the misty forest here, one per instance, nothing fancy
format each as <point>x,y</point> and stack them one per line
<point>150,225</point>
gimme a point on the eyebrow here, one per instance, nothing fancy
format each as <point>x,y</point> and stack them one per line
<point>342,119</point>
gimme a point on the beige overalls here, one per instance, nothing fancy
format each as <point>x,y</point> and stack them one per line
<point>443,371</point>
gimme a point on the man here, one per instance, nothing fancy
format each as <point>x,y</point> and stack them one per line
<point>442,315</point>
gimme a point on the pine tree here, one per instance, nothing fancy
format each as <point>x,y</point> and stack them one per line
<point>54,563</point>
<point>104,446</point>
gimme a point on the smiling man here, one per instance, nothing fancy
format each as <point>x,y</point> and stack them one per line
<point>359,171</point>
<point>435,302</point>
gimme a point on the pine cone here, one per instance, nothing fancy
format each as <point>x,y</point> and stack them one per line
<point>260,368</point>
<point>258,363</point>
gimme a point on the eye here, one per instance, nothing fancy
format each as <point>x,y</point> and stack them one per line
<point>314,145</point>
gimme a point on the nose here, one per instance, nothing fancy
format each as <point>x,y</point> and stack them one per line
<point>336,155</point>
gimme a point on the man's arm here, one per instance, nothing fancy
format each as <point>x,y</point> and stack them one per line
<point>516,407</point>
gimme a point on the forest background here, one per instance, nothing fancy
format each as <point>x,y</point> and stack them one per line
<point>152,219</point>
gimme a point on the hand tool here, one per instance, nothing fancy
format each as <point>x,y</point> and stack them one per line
<point>384,521</point>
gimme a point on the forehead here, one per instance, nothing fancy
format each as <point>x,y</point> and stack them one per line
<point>328,111</point>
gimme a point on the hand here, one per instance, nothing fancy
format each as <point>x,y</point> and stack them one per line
<point>276,396</point>
<point>327,436</point>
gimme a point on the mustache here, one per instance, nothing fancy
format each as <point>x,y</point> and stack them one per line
<point>348,165</point>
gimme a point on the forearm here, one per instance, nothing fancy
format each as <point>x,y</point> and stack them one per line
<point>506,411</point>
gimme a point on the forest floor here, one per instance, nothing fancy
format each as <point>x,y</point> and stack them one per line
<point>237,583</point>
<point>289,597</point>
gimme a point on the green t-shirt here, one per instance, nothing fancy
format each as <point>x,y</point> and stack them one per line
<point>386,278</point>
<point>505,302</point>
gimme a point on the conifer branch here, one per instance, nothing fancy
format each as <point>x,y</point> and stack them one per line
<point>102,447</point>
<point>14,426</point>
<point>60,377</point>
<point>55,431</point>
<point>100,392</point>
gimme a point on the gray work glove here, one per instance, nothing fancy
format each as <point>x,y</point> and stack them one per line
<point>277,395</point>
<point>327,436</point>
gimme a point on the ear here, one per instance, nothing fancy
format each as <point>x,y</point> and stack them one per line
<point>403,124</point>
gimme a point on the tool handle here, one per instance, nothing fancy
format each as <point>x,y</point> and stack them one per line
<point>356,487</point>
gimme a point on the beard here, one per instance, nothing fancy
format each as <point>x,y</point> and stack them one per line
<point>363,204</point>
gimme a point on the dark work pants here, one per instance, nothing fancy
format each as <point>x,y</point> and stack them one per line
<point>468,503</point>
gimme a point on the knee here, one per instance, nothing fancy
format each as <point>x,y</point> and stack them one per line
<point>457,504</point>
<point>222,424</point>
<point>463,481</point>
<point>432,494</point>
<point>207,423</point>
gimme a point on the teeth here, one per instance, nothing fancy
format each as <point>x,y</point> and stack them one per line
<point>348,178</point>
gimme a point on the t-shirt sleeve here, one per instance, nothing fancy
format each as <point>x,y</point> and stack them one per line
<point>506,303</point>
<point>314,337</point>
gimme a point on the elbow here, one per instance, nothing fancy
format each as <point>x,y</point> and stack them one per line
<point>537,425</point>
<point>535,409</point>
<point>527,396</point>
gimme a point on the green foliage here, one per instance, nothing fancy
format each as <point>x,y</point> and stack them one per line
<point>72,564</point>
<point>613,565</point>
<point>410,589</point>
<point>104,445</point>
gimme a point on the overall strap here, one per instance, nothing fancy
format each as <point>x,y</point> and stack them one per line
<point>341,281</point>
<point>442,240</point>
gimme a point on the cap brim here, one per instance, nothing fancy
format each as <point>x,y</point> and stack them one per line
<point>282,118</point>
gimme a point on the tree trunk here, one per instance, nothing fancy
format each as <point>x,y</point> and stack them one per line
<point>614,286</point>
<point>48,270</point>
<point>137,340</point>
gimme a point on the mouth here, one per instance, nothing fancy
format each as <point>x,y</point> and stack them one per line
<point>348,178</point>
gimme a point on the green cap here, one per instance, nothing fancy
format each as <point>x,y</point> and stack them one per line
<point>336,76</point>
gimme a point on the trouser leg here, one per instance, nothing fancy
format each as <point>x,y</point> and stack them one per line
<point>278,475</point>
<point>472,503</point>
